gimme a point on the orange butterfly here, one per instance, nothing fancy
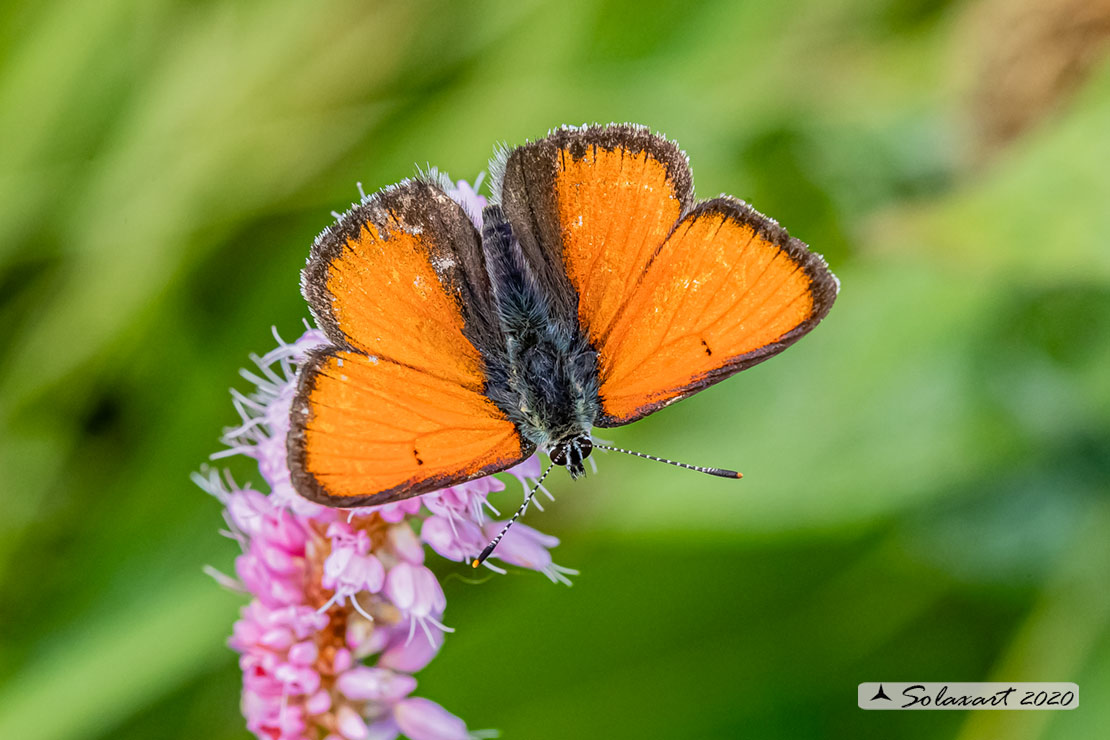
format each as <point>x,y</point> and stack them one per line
<point>598,292</point>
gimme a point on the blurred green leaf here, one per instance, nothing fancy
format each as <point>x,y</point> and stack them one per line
<point>101,670</point>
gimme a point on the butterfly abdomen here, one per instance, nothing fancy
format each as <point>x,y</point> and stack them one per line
<point>550,391</point>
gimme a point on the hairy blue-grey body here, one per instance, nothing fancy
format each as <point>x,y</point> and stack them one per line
<point>548,385</point>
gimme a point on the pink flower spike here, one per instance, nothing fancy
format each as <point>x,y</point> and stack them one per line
<point>348,574</point>
<point>304,653</point>
<point>271,589</point>
<point>365,641</point>
<point>350,725</point>
<point>406,544</point>
<point>410,656</point>
<point>528,548</point>
<point>319,702</point>
<point>455,539</point>
<point>385,729</point>
<point>343,660</point>
<point>279,638</point>
<point>415,591</point>
<point>265,416</point>
<point>341,533</point>
<point>398,510</point>
<point>247,510</point>
<point>299,680</point>
<point>423,719</point>
<point>529,469</point>
<point>528,473</point>
<point>315,664</point>
<point>375,684</point>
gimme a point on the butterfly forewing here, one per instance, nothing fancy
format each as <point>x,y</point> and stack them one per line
<point>590,207</point>
<point>402,276</point>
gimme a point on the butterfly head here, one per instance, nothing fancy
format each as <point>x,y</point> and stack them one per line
<point>569,452</point>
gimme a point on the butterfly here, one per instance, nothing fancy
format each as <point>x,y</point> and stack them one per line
<point>598,291</point>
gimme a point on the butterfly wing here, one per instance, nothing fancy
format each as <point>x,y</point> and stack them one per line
<point>368,430</point>
<point>590,207</point>
<point>728,289</point>
<point>673,296</point>
<point>397,407</point>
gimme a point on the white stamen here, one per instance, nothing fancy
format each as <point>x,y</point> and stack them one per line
<point>224,580</point>
<point>559,573</point>
<point>358,607</point>
<point>336,597</point>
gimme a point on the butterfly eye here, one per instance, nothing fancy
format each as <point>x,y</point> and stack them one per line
<point>558,454</point>
<point>585,447</point>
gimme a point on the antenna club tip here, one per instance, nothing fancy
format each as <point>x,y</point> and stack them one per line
<point>475,563</point>
<point>737,474</point>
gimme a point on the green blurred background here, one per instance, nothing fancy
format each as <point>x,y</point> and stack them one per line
<point>926,474</point>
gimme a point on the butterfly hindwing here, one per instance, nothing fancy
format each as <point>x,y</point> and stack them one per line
<point>674,296</point>
<point>397,407</point>
<point>367,430</point>
<point>402,275</point>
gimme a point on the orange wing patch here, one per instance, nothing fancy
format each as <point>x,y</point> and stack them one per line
<point>397,407</point>
<point>405,285</point>
<point>401,277</point>
<point>615,207</point>
<point>369,431</point>
<point>728,289</point>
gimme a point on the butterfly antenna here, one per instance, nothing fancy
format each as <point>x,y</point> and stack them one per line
<point>527,499</point>
<point>719,472</point>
